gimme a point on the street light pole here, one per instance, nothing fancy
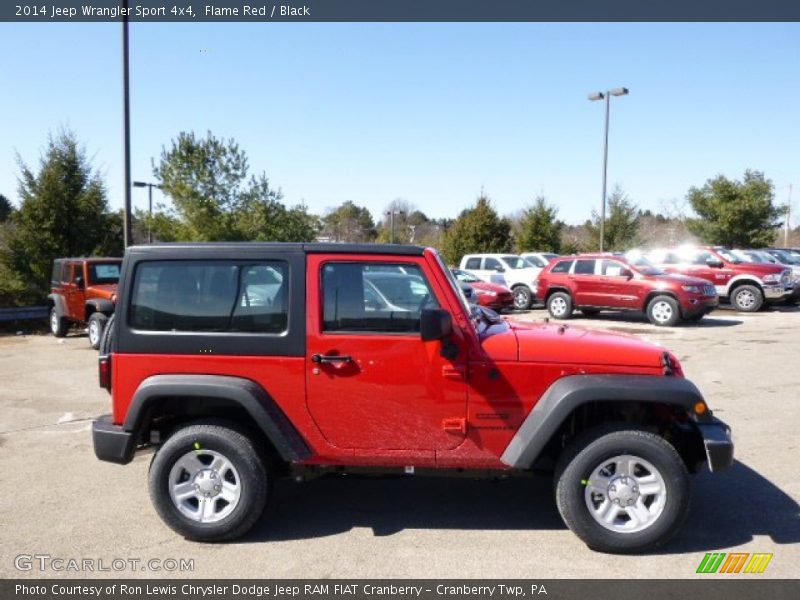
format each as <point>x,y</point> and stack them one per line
<point>149,187</point>
<point>127,233</point>
<point>391,214</point>
<point>622,91</point>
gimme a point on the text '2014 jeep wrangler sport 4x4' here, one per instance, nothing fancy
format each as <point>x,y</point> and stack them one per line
<point>244,362</point>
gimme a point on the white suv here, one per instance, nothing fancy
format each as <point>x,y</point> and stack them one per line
<point>509,270</point>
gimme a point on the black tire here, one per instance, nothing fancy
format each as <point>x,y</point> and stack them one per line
<point>590,312</point>
<point>747,298</point>
<point>559,305</point>
<point>586,454</point>
<point>663,311</point>
<point>96,326</point>
<point>58,324</point>
<point>107,337</point>
<point>523,297</point>
<point>249,472</point>
<point>697,317</point>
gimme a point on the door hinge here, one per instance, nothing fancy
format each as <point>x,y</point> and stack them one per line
<point>456,425</point>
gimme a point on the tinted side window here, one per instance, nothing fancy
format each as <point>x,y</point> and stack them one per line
<point>473,263</point>
<point>77,271</point>
<point>562,266</point>
<point>210,297</point>
<point>491,263</point>
<point>358,298</point>
<point>55,277</point>
<point>584,267</point>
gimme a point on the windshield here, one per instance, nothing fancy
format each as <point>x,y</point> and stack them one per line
<point>465,276</point>
<point>516,262</point>
<point>453,284</point>
<point>786,257</point>
<point>641,264</point>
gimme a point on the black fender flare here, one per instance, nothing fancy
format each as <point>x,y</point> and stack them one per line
<point>103,305</point>
<point>566,394</point>
<point>57,300</point>
<point>247,393</point>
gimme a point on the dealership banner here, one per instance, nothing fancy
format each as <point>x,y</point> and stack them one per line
<point>730,588</point>
<point>254,11</point>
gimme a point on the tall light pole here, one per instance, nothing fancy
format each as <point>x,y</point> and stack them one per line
<point>149,186</point>
<point>391,214</point>
<point>620,91</point>
<point>127,229</point>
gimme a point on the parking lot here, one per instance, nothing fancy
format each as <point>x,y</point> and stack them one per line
<point>60,501</point>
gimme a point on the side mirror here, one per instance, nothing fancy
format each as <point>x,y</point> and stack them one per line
<point>499,269</point>
<point>435,324</point>
<point>626,273</point>
<point>79,282</point>
<point>714,262</point>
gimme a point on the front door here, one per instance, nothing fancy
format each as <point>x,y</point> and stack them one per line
<point>619,290</point>
<point>75,292</point>
<point>372,383</point>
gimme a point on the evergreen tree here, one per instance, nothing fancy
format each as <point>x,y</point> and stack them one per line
<point>477,229</point>
<point>539,228</point>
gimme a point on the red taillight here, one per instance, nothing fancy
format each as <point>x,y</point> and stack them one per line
<point>104,372</point>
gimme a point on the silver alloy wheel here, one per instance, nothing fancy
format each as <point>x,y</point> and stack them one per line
<point>625,494</point>
<point>662,311</point>
<point>204,486</point>
<point>558,306</point>
<point>94,332</point>
<point>54,322</point>
<point>745,299</point>
<point>520,298</point>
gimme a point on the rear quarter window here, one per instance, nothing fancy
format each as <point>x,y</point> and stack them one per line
<point>214,296</point>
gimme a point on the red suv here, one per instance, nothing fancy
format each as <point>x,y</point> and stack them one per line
<point>241,363</point>
<point>746,285</point>
<point>594,282</point>
<point>83,291</point>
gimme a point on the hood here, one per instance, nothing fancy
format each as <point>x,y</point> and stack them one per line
<point>759,269</point>
<point>492,287</point>
<point>681,279</point>
<point>104,290</point>
<point>565,344</point>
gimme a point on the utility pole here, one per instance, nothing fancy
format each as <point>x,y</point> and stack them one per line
<point>788,218</point>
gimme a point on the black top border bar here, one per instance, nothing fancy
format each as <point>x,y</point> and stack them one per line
<point>256,11</point>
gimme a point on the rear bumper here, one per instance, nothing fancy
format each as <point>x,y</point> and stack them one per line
<point>111,442</point>
<point>718,444</point>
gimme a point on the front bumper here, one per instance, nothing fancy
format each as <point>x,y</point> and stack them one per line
<point>777,292</point>
<point>696,306</point>
<point>111,442</point>
<point>718,444</point>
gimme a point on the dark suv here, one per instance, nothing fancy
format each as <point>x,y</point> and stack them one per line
<point>241,363</point>
<point>595,282</point>
<point>83,292</point>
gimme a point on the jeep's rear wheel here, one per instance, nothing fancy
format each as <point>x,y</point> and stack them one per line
<point>559,305</point>
<point>747,298</point>
<point>208,482</point>
<point>622,490</point>
<point>58,324</point>
<point>663,311</point>
<point>523,297</point>
<point>96,326</point>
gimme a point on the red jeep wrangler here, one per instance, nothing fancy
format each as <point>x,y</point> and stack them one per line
<point>240,363</point>
<point>594,282</point>
<point>83,291</point>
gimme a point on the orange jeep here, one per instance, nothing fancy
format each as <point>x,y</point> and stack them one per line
<point>83,291</point>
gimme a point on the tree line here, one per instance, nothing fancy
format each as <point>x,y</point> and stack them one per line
<point>64,211</point>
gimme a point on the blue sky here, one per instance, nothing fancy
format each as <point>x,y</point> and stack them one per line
<point>430,113</point>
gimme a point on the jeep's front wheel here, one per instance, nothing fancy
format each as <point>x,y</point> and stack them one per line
<point>96,326</point>
<point>58,324</point>
<point>663,311</point>
<point>622,490</point>
<point>208,482</point>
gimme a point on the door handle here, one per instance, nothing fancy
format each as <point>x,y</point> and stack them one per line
<point>335,358</point>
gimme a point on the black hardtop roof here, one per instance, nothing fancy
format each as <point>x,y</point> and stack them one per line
<point>89,258</point>
<point>165,249</point>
